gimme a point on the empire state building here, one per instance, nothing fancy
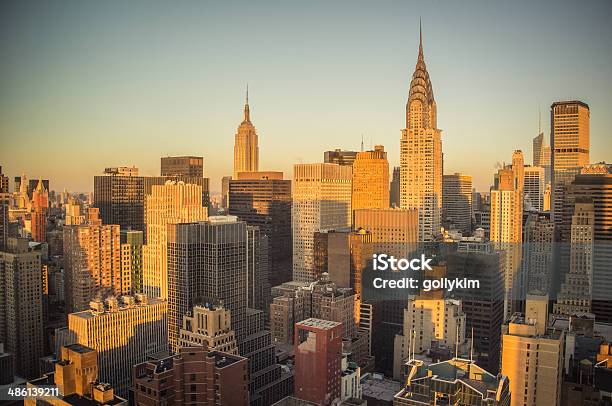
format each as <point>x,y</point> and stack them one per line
<point>246,149</point>
<point>421,154</point>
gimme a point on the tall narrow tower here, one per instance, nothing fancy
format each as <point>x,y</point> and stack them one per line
<point>246,149</point>
<point>421,153</point>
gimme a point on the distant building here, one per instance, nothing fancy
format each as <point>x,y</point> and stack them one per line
<point>193,375</point>
<point>40,207</point>
<point>4,182</point>
<point>371,180</point>
<point>246,144</point>
<point>76,377</point>
<point>457,201</point>
<point>340,157</point>
<point>321,200</point>
<point>535,187</point>
<point>119,194</point>
<point>537,266</point>
<point>131,259</point>
<point>318,356</point>
<point>182,166</point>
<point>263,199</point>
<point>123,332</point>
<point>541,155</point>
<point>21,307</point>
<point>394,188</point>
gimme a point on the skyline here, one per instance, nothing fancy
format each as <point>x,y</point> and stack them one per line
<point>177,82</point>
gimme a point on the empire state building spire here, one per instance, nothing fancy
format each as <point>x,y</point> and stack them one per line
<point>246,145</point>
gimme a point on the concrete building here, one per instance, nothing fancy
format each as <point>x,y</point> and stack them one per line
<point>532,355</point>
<point>209,326</point>
<point>123,332</point>
<point>263,199</point>
<point>21,307</point>
<point>92,263</point>
<point>192,166</point>
<point>457,202</point>
<point>371,180</point>
<point>340,157</point>
<point>318,356</point>
<point>570,147</point>
<point>456,381</point>
<point>195,375</point>
<point>537,267</point>
<point>428,322</point>
<point>170,203</point>
<point>321,200</point>
<point>76,377</point>
<point>246,144</point>
<point>421,154</point>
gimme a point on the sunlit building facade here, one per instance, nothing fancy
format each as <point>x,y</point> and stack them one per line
<point>246,144</point>
<point>371,179</point>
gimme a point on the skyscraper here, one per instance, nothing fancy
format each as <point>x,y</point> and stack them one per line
<point>421,154</point>
<point>532,355</point>
<point>21,313</point>
<point>394,188</point>
<point>119,194</point>
<point>4,218</point>
<point>371,180</point>
<point>541,155</point>
<point>92,263</point>
<point>318,353</point>
<point>246,149</point>
<point>131,259</point>
<point>457,201</point>
<point>123,332</point>
<point>173,202</point>
<point>182,166</point>
<point>535,187</point>
<point>40,205</point>
<point>537,268</point>
<point>263,199</point>
<point>4,182</point>
<point>570,147</point>
<point>321,200</point>
<point>340,157</point>
<point>209,325</point>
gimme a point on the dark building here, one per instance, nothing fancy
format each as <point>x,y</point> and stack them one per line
<point>339,157</point>
<point>32,183</point>
<point>7,367</point>
<point>4,182</point>
<point>263,199</point>
<point>483,308</point>
<point>4,220</point>
<point>192,166</point>
<point>193,376</point>
<point>394,188</point>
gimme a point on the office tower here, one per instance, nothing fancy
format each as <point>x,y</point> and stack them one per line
<point>263,199</point>
<point>40,205</point>
<point>4,219</point>
<point>518,170</point>
<point>75,375</point>
<point>318,355</point>
<point>209,325</point>
<point>4,182</point>
<point>457,201</point>
<point>507,228</point>
<point>547,197</point>
<point>72,214</point>
<point>371,180</point>
<point>225,191</point>
<point>541,156</point>
<point>196,375</point>
<point>457,380</point>
<point>21,313</point>
<point>595,183</point>
<point>321,200</point>
<point>119,194</point>
<point>576,290</point>
<point>246,144</point>
<point>394,189</point>
<point>192,166</point>
<point>393,232</point>
<point>421,154</point>
<point>484,308</point>
<point>170,203</point>
<point>534,187</point>
<point>208,262</point>
<point>92,263</point>
<point>123,331</point>
<point>537,268</point>
<point>532,355</point>
<point>570,146</point>
<point>131,260</point>
<point>428,322</point>
<point>340,157</point>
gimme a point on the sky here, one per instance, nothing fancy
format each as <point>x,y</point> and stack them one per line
<point>86,85</point>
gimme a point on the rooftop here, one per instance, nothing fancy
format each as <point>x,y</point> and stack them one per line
<point>378,387</point>
<point>319,323</point>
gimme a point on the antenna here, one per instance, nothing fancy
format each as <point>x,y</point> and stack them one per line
<point>361,142</point>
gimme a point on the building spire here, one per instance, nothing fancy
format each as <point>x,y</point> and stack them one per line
<point>247,113</point>
<point>420,39</point>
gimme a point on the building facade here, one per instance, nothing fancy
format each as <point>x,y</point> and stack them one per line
<point>246,144</point>
<point>182,166</point>
<point>457,201</point>
<point>371,180</point>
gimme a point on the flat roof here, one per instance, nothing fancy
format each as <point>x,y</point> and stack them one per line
<point>319,323</point>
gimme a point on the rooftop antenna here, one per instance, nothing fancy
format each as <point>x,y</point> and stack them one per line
<point>361,142</point>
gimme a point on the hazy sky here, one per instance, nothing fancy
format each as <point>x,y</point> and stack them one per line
<point>85,85</point>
